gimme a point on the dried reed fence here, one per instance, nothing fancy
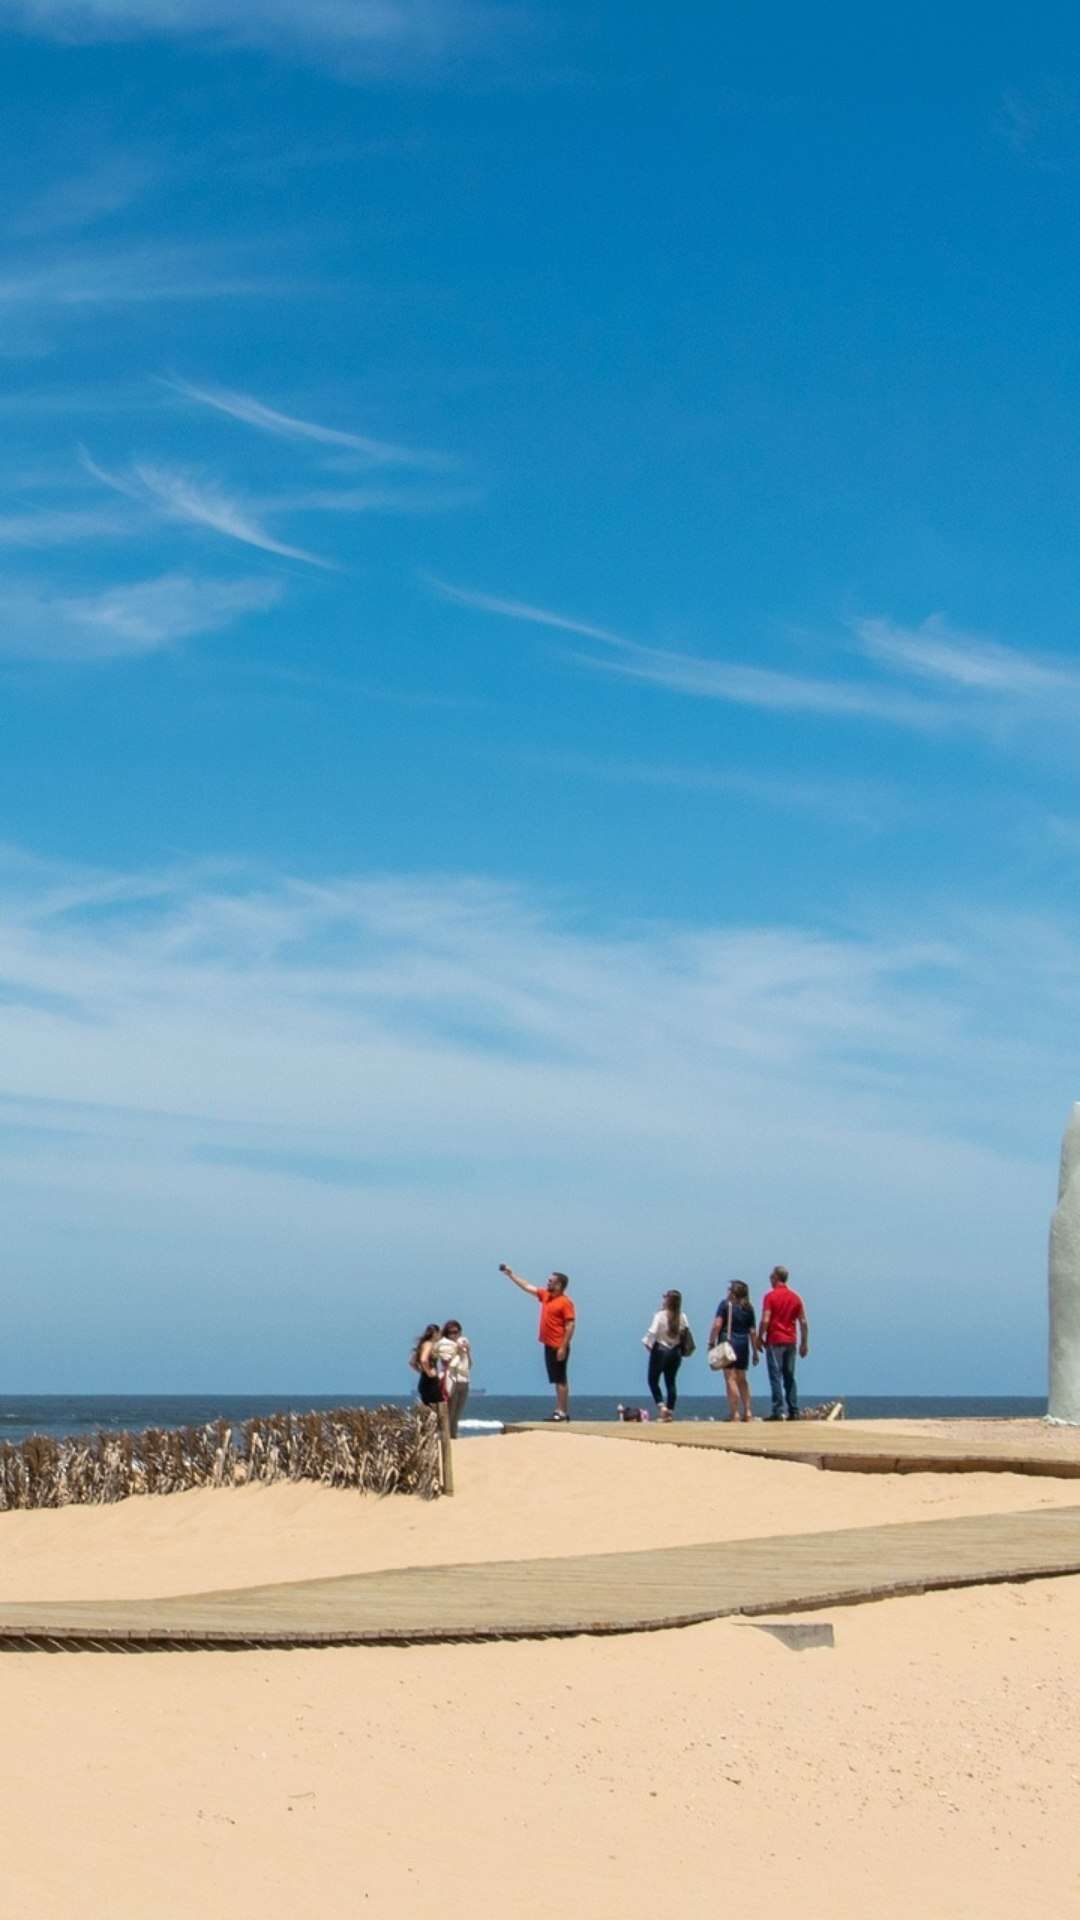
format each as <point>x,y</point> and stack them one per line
<point>382,1450</point>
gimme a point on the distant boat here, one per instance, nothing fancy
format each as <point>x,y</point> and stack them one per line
<point>478,1393</point>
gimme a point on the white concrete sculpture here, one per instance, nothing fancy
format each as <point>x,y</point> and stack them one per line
<point>1064,1404</point>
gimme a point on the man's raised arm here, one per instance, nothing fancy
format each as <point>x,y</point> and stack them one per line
<point>525,1285</point>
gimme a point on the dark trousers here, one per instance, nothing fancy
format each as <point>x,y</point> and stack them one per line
<point>664,1364</point>
<point>781,1364</point>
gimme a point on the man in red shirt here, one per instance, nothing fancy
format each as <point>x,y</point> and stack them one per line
<point>557,1323</point>
<point>782,1312</point>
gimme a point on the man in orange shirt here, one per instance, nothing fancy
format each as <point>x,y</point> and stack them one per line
<point>557,1323</point>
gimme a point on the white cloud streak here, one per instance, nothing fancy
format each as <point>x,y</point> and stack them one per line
<point>360,500</point>
<point>967,671</point>
<point>939,652</point>
<point>522,610</point>
<point>711,679</point>
<point>864,804</point>
<point>358,35</point>
<point>89,278</point>
<point>184,497</point>
<point>63,527</point>
<point>494,981</point>
<point>778,692</point>
<point>94,193</point>
<point>251,412</point>
<point>124,622</point>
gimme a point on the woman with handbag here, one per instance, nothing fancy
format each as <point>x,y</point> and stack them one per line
<point>669,1341</point>
<point>732,1340</point>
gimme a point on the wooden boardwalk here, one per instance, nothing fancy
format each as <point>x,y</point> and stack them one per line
<point>587,1593</point>
<point>853,1446</point>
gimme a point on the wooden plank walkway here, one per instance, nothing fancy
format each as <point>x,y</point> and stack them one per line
<point>848,1446</point>
<point>587,1593</point>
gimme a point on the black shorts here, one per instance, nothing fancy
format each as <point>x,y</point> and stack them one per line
<point>556,1368</point>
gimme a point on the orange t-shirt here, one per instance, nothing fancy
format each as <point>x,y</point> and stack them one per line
<point>556,1314</point>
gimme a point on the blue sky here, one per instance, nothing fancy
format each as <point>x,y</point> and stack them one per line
<point>538,631</point>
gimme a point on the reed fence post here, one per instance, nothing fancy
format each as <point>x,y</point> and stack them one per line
<point>446,1448</point>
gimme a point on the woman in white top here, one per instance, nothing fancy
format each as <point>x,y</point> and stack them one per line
<point>668,1339</point>
<point>455,1365</point>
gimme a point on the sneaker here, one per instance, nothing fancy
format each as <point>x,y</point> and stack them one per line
<point>562,1418</point>
<point>773,1416</point>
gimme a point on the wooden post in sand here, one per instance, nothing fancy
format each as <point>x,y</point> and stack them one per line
<point>446,1448</point>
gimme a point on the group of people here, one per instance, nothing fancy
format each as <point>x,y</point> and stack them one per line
<point>442,1356</point>
<point>736,1341</point>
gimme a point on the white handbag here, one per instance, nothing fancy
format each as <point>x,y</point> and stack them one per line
<point>724,1354</point>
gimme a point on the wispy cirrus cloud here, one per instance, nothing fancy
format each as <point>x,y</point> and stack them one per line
<point>1041,123</point>
<point>87,278</point>
<point>709,678</point>
<point>95,192</point>
<point>63,527</point>
<point>245,408</point>
<point>124,622</point>
<point>359,36</point>
<point>159,490</point>
<point>522,610</point>
<point>177,495</point>
<point>935,650</point>
<point>869,804</point>
<point>975,679</point>
<point>360,500</point>
<point>748,686</point>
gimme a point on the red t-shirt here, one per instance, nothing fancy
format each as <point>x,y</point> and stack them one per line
<point>556,1314</point>
<point>783,1306</point>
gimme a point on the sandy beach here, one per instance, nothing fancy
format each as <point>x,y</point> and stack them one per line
<point>517,1498</point>
<point>929,1760</point>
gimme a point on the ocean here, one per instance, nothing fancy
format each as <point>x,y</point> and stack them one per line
<point>67,1414</point>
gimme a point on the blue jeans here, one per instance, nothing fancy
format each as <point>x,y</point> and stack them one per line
<point>781,1364</point>
<point>664,1364</point>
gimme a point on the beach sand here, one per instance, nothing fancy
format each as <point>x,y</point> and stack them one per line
<point>929,1762</point>
<point>533,1495</point>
